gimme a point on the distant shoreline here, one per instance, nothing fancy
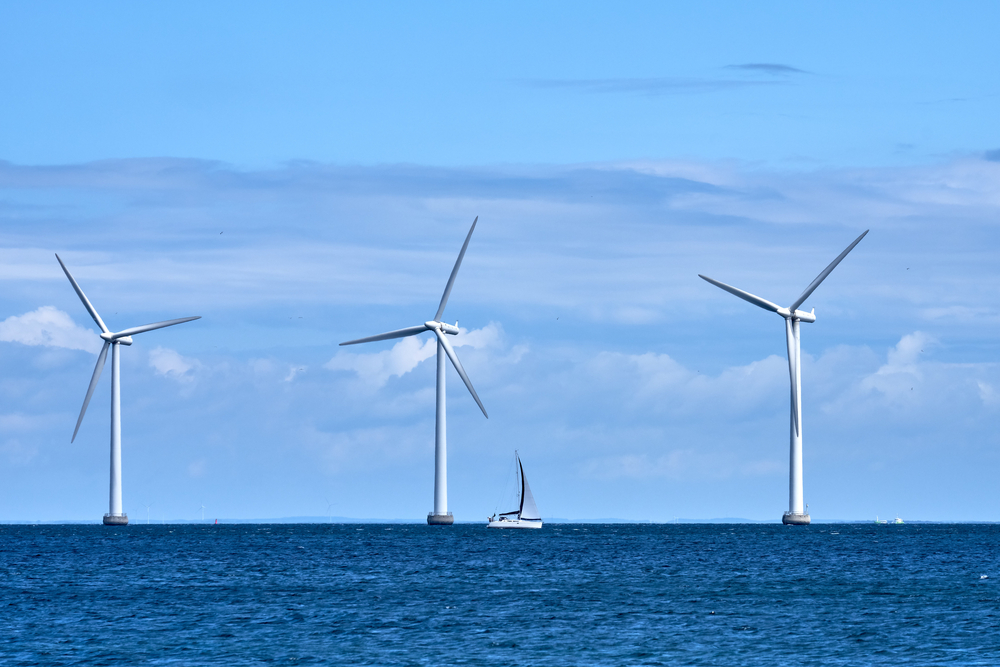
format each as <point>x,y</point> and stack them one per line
<point>416,522</point>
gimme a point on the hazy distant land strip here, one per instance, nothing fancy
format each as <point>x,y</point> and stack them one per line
<point>343,519</point>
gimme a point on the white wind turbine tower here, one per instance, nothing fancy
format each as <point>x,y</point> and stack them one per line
<point>796,514</point>
<point>440,516</point>
<point>115,516</point>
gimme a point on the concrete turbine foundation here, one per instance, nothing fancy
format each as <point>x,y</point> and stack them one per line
<point>795,519</point>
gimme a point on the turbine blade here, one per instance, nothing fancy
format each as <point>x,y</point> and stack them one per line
<point>93,385</point>
<point>746,296</point>
<point>454,272</point>
<point>398,333</point>
<point>83,297</point>
<point>821,277</point>
<point>792,360</point>
<point>155,325</point>
<point>458,367</point>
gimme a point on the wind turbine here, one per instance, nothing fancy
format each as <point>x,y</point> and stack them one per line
<point>202,512</point>
<point>115,516</point>
<point>147,511</point>
<point>796,514</point>
<point>440,516</point>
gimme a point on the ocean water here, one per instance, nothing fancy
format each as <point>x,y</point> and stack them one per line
<point>319,594</point>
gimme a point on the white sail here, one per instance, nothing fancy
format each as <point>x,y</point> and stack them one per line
<point>529,510</point>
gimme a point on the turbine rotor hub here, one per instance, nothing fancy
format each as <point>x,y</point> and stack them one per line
<point>110,337</point>
<point>799,315</point>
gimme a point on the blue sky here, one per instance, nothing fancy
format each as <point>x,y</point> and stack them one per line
<point>304,176</point>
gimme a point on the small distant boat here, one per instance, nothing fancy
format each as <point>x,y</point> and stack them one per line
<point>882,522</point>
<point>898,521</point>
<point>526,515</point>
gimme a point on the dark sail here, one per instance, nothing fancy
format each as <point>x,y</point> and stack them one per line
<point>528,509</point>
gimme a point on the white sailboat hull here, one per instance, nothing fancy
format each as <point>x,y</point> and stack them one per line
<point>514,523</point>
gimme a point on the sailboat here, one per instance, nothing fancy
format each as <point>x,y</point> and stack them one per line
<point>526,515</point>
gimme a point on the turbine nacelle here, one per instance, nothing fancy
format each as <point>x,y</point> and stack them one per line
<point>451,330</point>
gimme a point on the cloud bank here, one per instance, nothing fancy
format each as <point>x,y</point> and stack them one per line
<point>653,86</point>
<point>620,375</point>
<point>48,326</point>
<point>376,368</point>
<point>768,68</point>
<point>170,363</point>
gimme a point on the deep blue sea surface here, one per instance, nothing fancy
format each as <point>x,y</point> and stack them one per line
<point>565,595</point>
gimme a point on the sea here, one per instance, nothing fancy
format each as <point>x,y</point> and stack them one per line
<point>568,594</point>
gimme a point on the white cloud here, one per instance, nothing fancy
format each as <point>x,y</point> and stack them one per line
<point>967,314</point>
<point>637,466</point>
<point>516,354</point>
<point>637,273</point>
<point>679,463</point>
<point>50,327</point>
<point>375,368</point>
<point>659,383</point>
<point>906,352</point>
<point>23,423</point>
<point>171,364</point>
<point>17,453</point>
<point>293,371</point>
<point>368,448</point>
<point>262,367</point>
<point>845,386</point>
<point>911,391</point>
<point>489,336</point>
<point>896,379</point>
<point>988,393</point>
<point>963,186</point>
